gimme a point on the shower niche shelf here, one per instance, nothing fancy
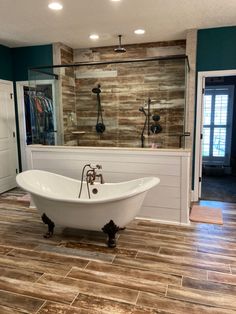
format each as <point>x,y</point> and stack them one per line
<point>78,132</point>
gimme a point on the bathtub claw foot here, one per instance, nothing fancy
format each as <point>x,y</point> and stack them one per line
<point>111,229</point>
<point>50,224</point>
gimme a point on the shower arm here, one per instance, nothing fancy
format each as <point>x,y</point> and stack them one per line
<point>119,36</point>
<point>147,121</point>
<point>99,108</point>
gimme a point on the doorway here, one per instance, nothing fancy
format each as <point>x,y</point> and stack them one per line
<point>36,103</point>
<point>215,141</point>
<point>219,139</point>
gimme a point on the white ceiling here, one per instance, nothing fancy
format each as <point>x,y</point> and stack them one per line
<point>30,22</point>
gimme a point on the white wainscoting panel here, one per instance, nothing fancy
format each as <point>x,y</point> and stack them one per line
<point>168,201</point>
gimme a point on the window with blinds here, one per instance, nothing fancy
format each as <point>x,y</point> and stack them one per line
<point>217,124</point>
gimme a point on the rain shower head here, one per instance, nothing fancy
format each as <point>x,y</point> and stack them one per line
<point>120,49</point>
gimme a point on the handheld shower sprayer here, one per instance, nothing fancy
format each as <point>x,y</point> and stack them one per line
<point>141,109</point>
<point>100,126</point>
<point>155,128</point>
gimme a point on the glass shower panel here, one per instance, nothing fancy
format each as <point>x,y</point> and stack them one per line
<point>141,104</point>
<point>98,95</point>
<point>137,103</point>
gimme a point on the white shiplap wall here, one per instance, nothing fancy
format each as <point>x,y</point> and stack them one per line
<point>168,202</point>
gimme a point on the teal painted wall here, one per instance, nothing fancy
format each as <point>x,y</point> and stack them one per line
<point>216,49</point>
<point>14,62</point>
<point>22,59</point>
<point>31,56</point>
<point>6,69</point>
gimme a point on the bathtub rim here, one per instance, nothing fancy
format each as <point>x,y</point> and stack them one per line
<point>139,190</point>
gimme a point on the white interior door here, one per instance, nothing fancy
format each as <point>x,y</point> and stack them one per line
<point>21,118</point>
<point>8,146</point>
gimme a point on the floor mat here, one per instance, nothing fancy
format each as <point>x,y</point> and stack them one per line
<point>205,214</point>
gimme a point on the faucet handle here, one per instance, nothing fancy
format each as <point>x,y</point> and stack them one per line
<point>94,167</point>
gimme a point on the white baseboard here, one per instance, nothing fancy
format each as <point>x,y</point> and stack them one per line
<point>165,222</point>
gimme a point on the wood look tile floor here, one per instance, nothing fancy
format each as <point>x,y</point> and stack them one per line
<point>156,268</point>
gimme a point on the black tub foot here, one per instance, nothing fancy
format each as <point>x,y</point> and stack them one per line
<point>111,229</point>
<point>50,224</point>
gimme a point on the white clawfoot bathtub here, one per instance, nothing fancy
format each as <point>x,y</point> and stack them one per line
<point>56,196</point>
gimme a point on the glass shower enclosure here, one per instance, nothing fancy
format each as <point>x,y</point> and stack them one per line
<point>126,103</point>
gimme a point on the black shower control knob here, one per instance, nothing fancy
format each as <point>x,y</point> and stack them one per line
<point>155,117</point>
<point>156,128</point>
<point>100,127</point>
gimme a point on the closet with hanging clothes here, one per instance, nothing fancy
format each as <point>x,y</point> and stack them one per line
<point>39,115</point>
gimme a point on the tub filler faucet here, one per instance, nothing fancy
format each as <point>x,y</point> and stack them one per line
<point>90,177</point>
<point>101,179</point>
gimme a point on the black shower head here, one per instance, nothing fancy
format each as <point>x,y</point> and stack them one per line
<point>96,90</point>
<point>141,109</point>
<point>120,49</point>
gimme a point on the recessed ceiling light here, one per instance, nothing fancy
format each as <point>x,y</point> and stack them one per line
<point>115,0</point>
<point>94,36</point>
<point>139,31</point>
<point>55,6</point>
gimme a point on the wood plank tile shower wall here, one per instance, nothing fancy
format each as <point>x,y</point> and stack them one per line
<point>124,91</point>
<point>68,95</point>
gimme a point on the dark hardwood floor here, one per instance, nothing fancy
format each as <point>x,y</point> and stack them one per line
<point>156,268</point>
